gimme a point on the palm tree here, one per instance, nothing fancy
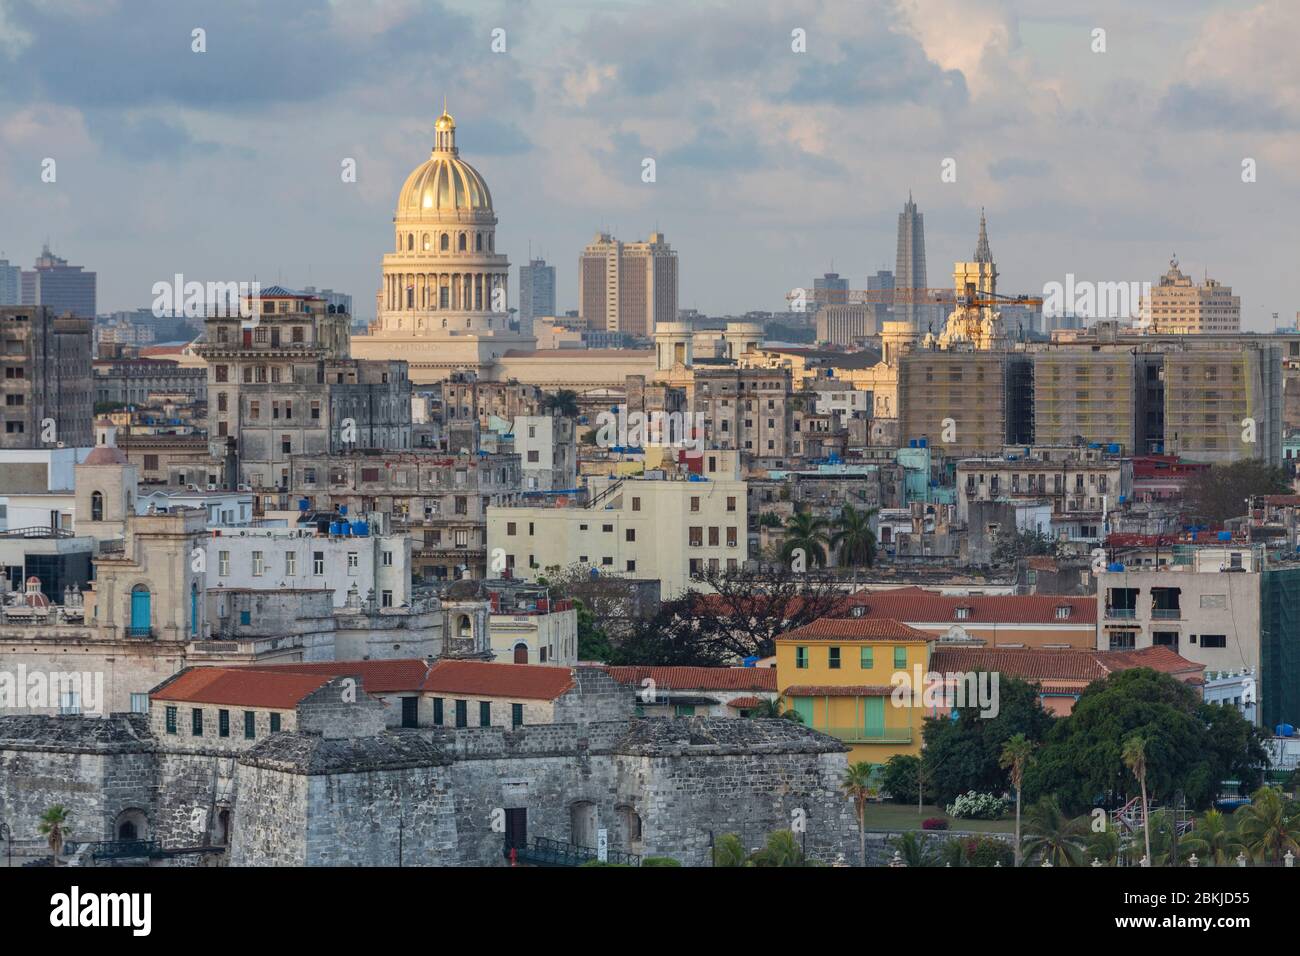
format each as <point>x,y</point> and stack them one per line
<point>914,849</point>
<point>1267,827</point>
<point>1213,840</point>
<point>564,402</point>
<point>858,787</point>
<point>1053,834</point>
<point>804,531</point>
<point>769,708</point>
<point>53,828</point>
<point>729,851</point>
<point>782,850</point>
<point>1104,847</point>
<point>853,536</point>
<point>1016,753</point>
<point>1135,758</point>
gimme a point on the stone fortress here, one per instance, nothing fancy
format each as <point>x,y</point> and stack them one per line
<point>339,784</point>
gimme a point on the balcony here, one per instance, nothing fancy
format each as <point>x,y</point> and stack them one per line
<point>140,633</point>
<point>1166,614</point>
<point>864,735</point>
<point>1121,613</point>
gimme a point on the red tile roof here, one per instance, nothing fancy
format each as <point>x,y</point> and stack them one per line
<point>838,690</point>
<point>377,677</point>
<point>240,687</point>
<point>917,605</point>
<point>488,679</point>
<point>744,703</point>
<point>856,629</point>
<point>1053,665</point>
<point>698,678</point>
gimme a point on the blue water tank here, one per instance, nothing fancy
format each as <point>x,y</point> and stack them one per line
<point>1115,566</point>
<point>1285,730</point>
<point>1225,535</point>
<point>361,528</point>
<point>343,509</point>
<point>751,661</point>
<point>924,443</point>
<point>303,504</point>
<point>335,527</point>
<point>1113,448</point>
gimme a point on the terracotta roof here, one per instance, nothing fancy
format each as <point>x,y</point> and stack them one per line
<point>698,678</point>
<point>917,605</point>
<point>744,703</point>
<point>488,679</point>
<point>106,455</point>
<point>838,690</point>
<point>856,629</point>
<point>240,687</point>
<point>377,677</point>
<point>1042,665</point>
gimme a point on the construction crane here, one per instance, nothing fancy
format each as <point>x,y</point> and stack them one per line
<point>945,297</point>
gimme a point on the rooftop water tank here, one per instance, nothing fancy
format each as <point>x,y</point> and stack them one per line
<point>1285,730</point>
<point>1225,535</point>
<point>361,528</point>
<point>1115,566</point>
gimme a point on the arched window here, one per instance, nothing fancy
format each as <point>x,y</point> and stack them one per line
<point>410,241</point>
<point>521,654</point>
<point>140,611</point>
<point>444,243</point>
<point>426,242</point>
<point>478,242</point>
<point>462,242</point>
<point>96,506</point>
<point>463,627</point>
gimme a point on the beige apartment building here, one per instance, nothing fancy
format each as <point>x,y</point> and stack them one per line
<point>1085,394</point>
<point>746,409</point>
<point>955,400</point>
<point>1222,405</point>
<point>668,528</point>
<point>1178,306</point>
<point>627,286</point>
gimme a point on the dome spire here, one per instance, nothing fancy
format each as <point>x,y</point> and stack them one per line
<point>444,137</point>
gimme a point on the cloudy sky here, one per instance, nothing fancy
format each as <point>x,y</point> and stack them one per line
<point>225,165</point>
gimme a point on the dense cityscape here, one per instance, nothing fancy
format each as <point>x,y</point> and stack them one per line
<point>900,569</point>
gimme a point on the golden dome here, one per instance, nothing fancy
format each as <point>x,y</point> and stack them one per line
<point>444,183</point>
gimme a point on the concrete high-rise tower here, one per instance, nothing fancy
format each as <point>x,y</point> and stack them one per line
<point>536,292</point>
<point>909,272</point>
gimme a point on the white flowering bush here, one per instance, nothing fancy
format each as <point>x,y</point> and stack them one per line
<point>977,806</point>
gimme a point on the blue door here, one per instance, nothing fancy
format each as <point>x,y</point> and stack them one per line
<point>140,610</point>
<point>194,610</point>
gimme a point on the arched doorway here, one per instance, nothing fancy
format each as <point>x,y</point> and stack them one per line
<point>221,833</point>
<point>140,610</point>
<point>131,824</point>
<point>582,824</point>
<point>630,824</point>
<point>521,653</point>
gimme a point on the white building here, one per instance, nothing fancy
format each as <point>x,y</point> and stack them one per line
<point>668,528</point>
<point>548,452</point>
<point>224,508</point>
<point>301,559</point>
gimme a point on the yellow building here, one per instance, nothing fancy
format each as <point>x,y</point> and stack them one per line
<point>838,675</point>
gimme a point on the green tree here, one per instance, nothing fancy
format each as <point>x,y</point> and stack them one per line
<point>564,402</point>
<point>1135,758</point>
<point>1213,839</point>
<point>782,849</point>
<point>901,777</point>
<point>858,785</point>
<point>1218,493</point>
<point>804,531</point>
<point>1016,753</point>
<point>853,538</point>
<point>729,851</point>
<point>53,826</point>
<point>774,708</point>
<point>1269,826</point>
<point>593,642</point>
<point>916,849</point>
<point>1050,833</point>
<point>1082,758</point>
<point>965,754</point>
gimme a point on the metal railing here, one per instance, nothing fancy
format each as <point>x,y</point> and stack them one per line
<point>139,632</point>
<point>870,735</point>
<point>119,849</point>
<point>1166,613</point>
<point>544,852</point>
<point>1121,613</point>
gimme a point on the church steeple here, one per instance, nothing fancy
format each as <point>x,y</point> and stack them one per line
<point>982,253</point>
